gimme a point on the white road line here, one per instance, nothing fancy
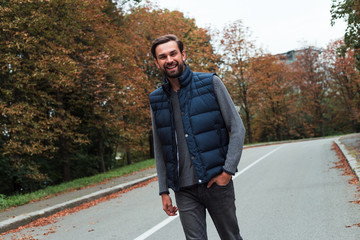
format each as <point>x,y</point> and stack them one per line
<point>257,161</point>
<point>162,224</point>
<point>149,232</point>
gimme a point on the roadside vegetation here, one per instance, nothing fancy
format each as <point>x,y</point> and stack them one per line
<point>50,191</point>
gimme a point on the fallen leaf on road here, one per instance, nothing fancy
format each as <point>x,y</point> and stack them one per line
<point>53,218</point>
<point>347,171</point>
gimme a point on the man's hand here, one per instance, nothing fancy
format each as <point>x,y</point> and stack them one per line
<point>167,205</point>
<point>222,179</point>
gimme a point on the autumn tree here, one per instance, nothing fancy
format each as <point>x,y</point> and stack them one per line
<point>121,88</point>
<point>65,73</point>
<point>34,120</point>
<point>344,85</point>
<point>312,88</point>
<point>237,51</point>
<point>272,89</point>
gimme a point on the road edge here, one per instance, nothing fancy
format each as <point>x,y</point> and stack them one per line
<point>350,159</point>
<point>25,219</point>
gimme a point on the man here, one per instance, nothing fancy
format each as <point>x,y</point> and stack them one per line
<point>198,141</point>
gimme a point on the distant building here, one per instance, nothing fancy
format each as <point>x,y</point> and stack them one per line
<point>290,56</point>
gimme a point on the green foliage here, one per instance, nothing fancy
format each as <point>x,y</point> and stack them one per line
<point>349,10</point>
<point>61,102</point>
<point>6,176</point>
<point>20,199</point>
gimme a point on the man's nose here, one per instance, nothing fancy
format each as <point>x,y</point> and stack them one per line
<point>169,59</point>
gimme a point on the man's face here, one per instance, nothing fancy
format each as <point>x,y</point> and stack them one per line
<point>170,60</point>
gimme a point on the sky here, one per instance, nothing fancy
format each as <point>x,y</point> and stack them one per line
<point>277,26</point>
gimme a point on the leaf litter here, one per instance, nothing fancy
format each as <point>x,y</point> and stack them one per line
<point>343,165</point>
<point>54,218</point>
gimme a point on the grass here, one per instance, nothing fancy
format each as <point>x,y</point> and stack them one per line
<point>21,199</point>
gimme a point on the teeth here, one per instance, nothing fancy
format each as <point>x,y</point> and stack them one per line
<point>171,67</point>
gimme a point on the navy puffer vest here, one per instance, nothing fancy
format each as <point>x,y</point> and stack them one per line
<point>204,128</point>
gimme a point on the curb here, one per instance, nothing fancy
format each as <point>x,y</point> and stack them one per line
<point>354,165</point>
<point>29,217</point>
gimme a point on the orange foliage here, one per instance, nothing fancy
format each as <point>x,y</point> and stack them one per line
<point>311,86</point>
<point>237,50</point>
<point>272,91</point>
<point>344,82</point>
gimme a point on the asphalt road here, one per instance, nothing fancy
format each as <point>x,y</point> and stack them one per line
<point>284,192</point>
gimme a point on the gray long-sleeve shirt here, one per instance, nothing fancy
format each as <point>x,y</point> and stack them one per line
<point>234,125</point>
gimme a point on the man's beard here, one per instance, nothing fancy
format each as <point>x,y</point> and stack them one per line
<point>176,74</point>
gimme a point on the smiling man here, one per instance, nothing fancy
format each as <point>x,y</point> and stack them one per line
<point>198,141</point>
<point>171,63</point>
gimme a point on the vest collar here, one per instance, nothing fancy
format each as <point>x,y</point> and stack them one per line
<point>186,77</point>
<point>184,80</point>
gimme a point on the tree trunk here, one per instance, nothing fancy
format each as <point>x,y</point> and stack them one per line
<point>128,156</point>
<point>247,114</point>
<point>101,150</point>
<point>66,169</point>
<point>278,132</point>
<point>151,144</point>
<point>65,159</point>
<point>63,147</point>
<point>248,125</point>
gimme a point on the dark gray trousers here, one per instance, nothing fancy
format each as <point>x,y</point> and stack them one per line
<point>192,203</point>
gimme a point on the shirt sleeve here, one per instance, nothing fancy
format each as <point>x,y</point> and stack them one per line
<point>234,125</point>
<point>159,159</point>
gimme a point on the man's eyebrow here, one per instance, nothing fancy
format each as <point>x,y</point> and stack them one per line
<point>164,54</point>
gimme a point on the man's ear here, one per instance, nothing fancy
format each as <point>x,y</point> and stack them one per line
<point>183,55</point>
<point>156,63</point>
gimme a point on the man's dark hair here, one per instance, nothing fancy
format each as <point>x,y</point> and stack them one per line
<point>165,39</point>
